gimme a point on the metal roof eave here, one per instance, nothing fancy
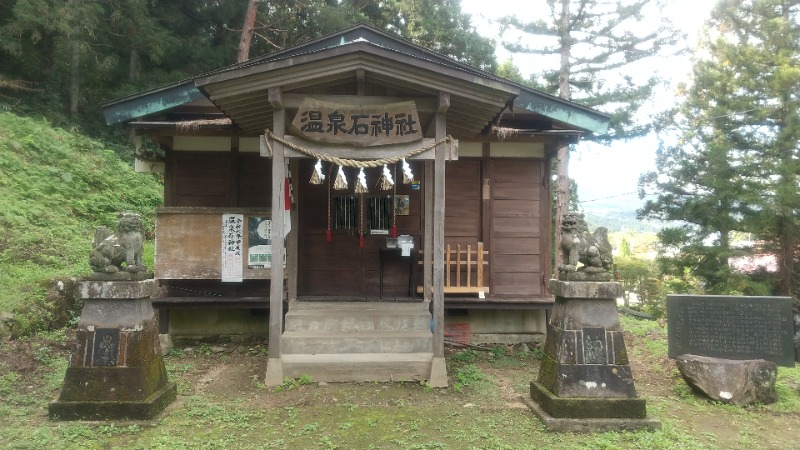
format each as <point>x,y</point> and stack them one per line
<point>143,104</point>
<point>564,111</point>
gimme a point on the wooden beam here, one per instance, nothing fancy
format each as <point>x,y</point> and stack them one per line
<point>438,239</point>
<point>350,152</point>
<point>291,244</point>
<point>438,377</point>
<point>427,259</point>
<point>424,104</point>
<point>274,364</point>
<point>361,78</point>
<point>444,103</point>
<point>275,98</point>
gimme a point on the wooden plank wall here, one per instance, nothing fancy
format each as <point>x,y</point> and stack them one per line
<point>188,244</point>
<point>516,227</point>
<point>205,179</point>
<point>463,202</point>
<point>340,267</point>
<point>515,236</point>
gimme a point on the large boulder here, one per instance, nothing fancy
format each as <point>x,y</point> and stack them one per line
<point>731,381</point>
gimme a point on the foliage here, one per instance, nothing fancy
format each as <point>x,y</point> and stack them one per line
<point>465,356</point>
<point>77,54</point>
<point>294,383</point>
<point>736,163</point>
<point>57,187</point>
<point>595,41</point>
<point>467,376</point>
<point>640,279</point>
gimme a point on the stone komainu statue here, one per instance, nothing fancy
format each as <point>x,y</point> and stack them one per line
<point>125,245</point>
<point>593,251</point>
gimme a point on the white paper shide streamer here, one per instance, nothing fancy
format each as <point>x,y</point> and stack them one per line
<point>408,176</point>
<point>317,177</point>
<point>387,181</point>
<point>340,183</point>
<point>361,183</point>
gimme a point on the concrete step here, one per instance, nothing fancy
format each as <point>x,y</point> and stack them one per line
<point>359,367</point>
<point>357,320</point>
<point>360,306</point>
<point>326,342</point>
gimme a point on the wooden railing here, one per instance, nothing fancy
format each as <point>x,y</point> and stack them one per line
<point>465,269</point>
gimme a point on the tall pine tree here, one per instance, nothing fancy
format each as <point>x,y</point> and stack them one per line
<point>735,166</point>
<point>594,40</point>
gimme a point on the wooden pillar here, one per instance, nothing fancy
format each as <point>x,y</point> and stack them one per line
<point>438,376</point>
<point>291,239</point>
<point>427,257</point>
<point>274,364</point>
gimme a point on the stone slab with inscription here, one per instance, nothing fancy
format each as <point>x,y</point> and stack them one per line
<point>731,327</point>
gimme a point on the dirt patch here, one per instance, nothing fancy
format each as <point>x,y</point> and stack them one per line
<point>227,379</point>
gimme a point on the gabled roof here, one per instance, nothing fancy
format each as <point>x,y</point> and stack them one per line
<point>387,64</point>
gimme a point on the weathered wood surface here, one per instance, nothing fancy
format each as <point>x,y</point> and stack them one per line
<point>516,261</point>
<point>189,243</point>
<point>278,249</point>
<point>464,269</point>
<point>364,153</point>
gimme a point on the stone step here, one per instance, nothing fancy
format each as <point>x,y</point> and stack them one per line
<point>359,306</point>
<point>350,320</point>
<point>325,342</point>
<point>359,366</point>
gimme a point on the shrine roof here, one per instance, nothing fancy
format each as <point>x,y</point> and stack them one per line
<point>362,56</point>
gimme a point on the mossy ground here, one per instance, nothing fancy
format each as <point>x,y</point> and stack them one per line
<point>223,403</point>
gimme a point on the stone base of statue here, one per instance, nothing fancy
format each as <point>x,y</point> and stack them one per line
<point>585,381</point>
<point>116,370</point>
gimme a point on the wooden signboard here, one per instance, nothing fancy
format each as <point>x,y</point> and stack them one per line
<point>191,244</point>
<point>361,125</point>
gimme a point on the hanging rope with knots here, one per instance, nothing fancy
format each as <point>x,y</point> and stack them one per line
<point>270,136</point>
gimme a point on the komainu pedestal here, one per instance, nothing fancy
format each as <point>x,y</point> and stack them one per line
<point>585,381</point>
<point>116,370</point>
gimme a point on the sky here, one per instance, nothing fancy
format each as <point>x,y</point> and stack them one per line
<point>626,161</point>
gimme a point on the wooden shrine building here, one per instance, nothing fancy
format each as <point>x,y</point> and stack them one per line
<point>295,184</point>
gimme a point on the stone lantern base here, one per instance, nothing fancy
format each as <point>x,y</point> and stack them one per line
<point>116,370</point>
<point>585,381</point>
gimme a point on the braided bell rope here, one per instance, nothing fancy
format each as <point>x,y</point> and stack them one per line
<point>269,135</point>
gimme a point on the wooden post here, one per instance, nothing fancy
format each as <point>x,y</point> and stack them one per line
<point>291,239</point>
<point>274,364</point>
<point>438,376</point>
<point>427,257</point>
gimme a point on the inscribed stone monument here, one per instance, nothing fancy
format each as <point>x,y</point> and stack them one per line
<point>737,328</point>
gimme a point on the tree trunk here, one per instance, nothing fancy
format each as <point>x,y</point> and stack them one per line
<point>74,80</point>
<point>786,257</point>
<point>562,199</point>
<point>247,31</point>
<point>135,65</point>
<point>562,173</point>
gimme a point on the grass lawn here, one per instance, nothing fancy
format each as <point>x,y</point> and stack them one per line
<point>223,403</point>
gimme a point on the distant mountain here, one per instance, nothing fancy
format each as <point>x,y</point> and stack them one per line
<point>618,219</point>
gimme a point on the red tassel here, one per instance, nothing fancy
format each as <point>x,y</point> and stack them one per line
<point>287,200</point>
<point>328,236</point>
<point>361,241</point>
<point>394,231</point>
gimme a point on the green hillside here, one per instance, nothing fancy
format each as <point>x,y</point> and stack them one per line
<point>56,187</point>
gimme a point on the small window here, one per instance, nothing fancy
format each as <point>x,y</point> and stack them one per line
<point>379,213</point>
<point>345,213</point>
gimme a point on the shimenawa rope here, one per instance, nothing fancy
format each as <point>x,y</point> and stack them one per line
<point>352,162</point>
